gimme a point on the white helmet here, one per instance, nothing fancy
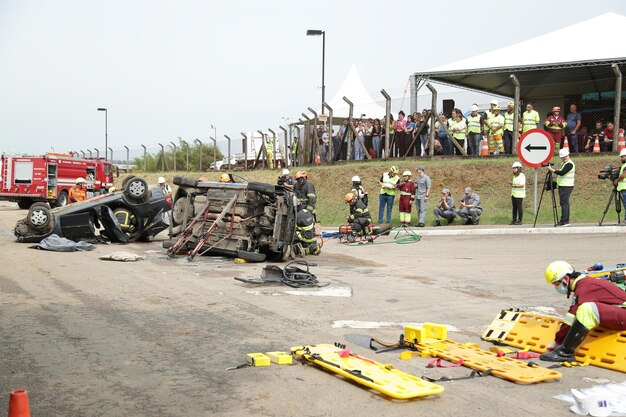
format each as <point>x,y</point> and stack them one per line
<point>356,178</point>
<point>622,152</point>
<point>285,171</point>
<point>80,180</point>
<point>516,164</point>
<point>161,180</point>
<point>407,174</point>
<point>563,152</point>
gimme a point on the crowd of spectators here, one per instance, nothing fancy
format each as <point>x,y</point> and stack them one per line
<point>456,133</point>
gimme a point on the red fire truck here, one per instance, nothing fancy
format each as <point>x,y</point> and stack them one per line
<point>27,179</point>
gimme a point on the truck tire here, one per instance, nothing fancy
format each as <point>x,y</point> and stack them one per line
<point>40,216</point>
<point>185,182</point>
<point>25,203</point>
<point>251,256</point>
<point>261,187</point>
<point>62,199</point>
<point>136,189</point>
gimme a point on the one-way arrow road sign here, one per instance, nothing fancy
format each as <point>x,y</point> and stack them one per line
<point>535,148</point>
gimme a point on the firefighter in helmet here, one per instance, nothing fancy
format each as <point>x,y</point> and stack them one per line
<point>225,178</point>
<point>305,192</point>
<point>78,192</point>
<point>359,217</point>
<point>167,190</point>
<point>595,302</point>
<point>305,242</point>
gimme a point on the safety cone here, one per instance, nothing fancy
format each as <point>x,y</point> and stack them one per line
<point>620,141</point>
<point>318,160</point>
<point>18,404</point>
<point>484,151</point>
<point>596,145</point>
<point>279,166</point>
<point>565,143</point>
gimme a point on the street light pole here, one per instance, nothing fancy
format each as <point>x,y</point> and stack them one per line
<point>106,131</point>
<point>312,32</point>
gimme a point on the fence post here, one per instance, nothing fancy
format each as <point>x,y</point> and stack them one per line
<point>618,104</point>
<point>200,146</point>
<point>244,148</point>
<point>286,152</point>
<point>163,164</point>
<point>274,150</point>
<point>516,110</point>
<point>351,124</point>
<point>110,159</point>
<point>145,159</point>
<point>433,118</point>
<point>127,159</point>
<point>315,144</point>
<point>228,139</point>
<point>308,143</point>
<point>174,147</point>
<point>97,152</point>
<point>387,120</point>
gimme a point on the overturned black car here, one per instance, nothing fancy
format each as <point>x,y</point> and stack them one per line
<point>253,221</point>
<point>136,212</point>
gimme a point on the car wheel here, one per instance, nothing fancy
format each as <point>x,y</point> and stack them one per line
<point>126,179</point>
<point>25,203</point>
<point>185,182</point>
<point>251,256</point>
<point>39,216</point>
<point>62,199</point>
<point>136,189</point>
<point>261,187</point>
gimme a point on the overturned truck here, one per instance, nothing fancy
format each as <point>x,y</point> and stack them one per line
<point>253,221</point>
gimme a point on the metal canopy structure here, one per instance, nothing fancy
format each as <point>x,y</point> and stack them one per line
<point>537,81</point>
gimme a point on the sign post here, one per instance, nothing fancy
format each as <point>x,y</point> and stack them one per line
<point>535,148</point>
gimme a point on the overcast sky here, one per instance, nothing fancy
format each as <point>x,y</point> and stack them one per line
<point>167,69</point>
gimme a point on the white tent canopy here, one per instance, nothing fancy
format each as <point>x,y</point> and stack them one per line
<point>354,90</point>
<point>596,39</point>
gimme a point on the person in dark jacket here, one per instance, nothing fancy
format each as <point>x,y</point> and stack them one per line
<point>359,217</point>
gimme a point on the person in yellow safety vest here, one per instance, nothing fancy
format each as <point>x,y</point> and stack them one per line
<point>530,119</point>
<point>458,128</point>
<point>509,119</point>
<point>269,151</point>
<point>496,124</point>
<point>387,183</point>
<point>487,115</point>
<point>78,192</point>
<point>518,192</point>
<point>620,182</point>
<point>473,131</point>
<point>565,181</point>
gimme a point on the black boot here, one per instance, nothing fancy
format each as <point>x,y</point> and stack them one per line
<point>565,352</point>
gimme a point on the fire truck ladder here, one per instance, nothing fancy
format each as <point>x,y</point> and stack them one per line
<point>214,226</point>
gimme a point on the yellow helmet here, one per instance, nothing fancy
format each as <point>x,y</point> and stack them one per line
<point>394,169</point>
<point>224,178</point>
<point>349,197</point>
<point>557,270</point>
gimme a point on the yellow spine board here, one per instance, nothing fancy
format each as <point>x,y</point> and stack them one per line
<point>603,347</point>
<point>481,360</point>
<point>383,378</point>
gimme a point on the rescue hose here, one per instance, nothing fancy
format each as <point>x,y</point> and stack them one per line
<point>409,237</point>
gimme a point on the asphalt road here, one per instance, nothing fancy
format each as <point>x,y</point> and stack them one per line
<point>88,337</point>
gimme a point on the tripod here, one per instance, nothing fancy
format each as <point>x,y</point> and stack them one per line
<point>616,197</point>
<point>548,185</point>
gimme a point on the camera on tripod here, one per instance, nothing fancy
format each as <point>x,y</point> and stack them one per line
<point>609,172</point>
<point>549,164</point>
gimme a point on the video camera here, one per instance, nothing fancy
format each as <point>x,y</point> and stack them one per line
<point>281,181</point>
<point>609,172</point>
<point>549,164</point>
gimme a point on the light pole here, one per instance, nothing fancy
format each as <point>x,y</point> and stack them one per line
<point>313,32</point>
<point>106,130</point>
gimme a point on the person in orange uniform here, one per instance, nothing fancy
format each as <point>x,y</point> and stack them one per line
<point>555,124</point>
<point>78,192</point>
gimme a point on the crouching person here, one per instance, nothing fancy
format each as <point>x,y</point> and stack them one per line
<point>470,209</point>
<point>445,208</point>
<point>596,302</point>
<point>359,217</point>
<point>305,242</point>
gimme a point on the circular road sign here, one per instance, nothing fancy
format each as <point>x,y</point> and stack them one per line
<point>535,148</point>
